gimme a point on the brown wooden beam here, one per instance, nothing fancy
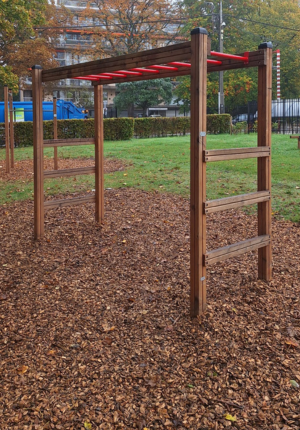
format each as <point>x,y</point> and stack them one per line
<point>178,52</point>
<point>55,132</point>
<point>75,201</point>
<point>38,159</point>
<point>76,171</point>
<point>68,142</point>
<point>264,164</point>
<point>198,170</point>
<point>99,154</point>
<point>256,58</point>
<point>237,249</point>
<point>11,126</point>
<point>236,153</point>
<point>6,122</point>
<point>234,202</point>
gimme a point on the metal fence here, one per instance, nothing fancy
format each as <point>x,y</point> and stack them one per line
<point>285,116</point>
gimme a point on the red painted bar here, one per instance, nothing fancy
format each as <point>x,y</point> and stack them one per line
<point>178,63</point>
<point>130,72</point>
<point>164,67</point>
<point>214,62</point>
<point>116,74</point>
<point>139,69</point>
<point>230,56</point>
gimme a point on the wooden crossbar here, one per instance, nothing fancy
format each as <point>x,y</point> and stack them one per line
<point>69,172</point>
<point>236,249</point>
<point>68,142</point>
<point>236,201</point>
<point>53,204</point>
<point>178,52</point>
<point>236,153</point>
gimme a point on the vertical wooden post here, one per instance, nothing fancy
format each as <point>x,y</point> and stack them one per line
<point>198,170</point>
<point>55,132</point>
<point>99,156</point>
<point>264,163</point>
<point>6,121</point>
<point>11,124</point>
<point>38,160</point>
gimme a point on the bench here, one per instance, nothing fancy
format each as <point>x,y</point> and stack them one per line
<point>296,137</point>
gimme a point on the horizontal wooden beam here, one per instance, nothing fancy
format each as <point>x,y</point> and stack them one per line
<point>236,249</point>
<point>52,204</point>
<point>236,153</point>
<point>256,58</point>
<point>236,201</point>
<point>69,172</point>
<point>68,142</point>
<point>177,52</point>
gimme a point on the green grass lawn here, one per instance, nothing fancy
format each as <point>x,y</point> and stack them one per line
<point>163,164</point>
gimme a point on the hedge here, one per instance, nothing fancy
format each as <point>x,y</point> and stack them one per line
<point>117,128</point>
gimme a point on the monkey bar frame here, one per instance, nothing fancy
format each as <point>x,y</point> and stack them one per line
<point>188,58</point>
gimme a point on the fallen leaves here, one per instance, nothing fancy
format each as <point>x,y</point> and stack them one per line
<point>231,418</point>
<point>106,338</point>
<point>22,369</point>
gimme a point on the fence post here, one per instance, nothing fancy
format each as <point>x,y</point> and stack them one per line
<point>198,170</point>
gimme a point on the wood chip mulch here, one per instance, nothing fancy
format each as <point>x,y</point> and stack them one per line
<point>96,332</point>
<point>23,169</point>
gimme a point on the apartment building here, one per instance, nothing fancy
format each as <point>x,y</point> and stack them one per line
<point>75,40</point>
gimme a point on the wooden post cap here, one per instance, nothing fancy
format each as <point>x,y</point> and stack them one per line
<point>266,45</point>
<point>199,30</point>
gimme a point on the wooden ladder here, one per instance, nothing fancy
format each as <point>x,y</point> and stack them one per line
<point>40,206</point>
<point>200,156</point>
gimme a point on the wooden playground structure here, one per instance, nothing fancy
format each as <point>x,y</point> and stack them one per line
<point>188,58</point>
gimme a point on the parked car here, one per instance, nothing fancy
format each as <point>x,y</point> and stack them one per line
<point>154,116</point>
<point>240,118</point>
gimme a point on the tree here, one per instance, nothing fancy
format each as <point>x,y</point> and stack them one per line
<point>17,19</point>
<point>143,94</point>
<point>23,42</point>
<point>124,26</point>
<point>248,24</point>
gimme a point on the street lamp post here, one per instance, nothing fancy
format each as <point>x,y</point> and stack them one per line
<point>221,101</point>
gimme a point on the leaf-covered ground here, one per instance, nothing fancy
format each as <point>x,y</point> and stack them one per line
<point>96,332</point>
<point>23,169</point>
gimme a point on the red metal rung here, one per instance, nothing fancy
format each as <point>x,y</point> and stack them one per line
<point>164,67</point>
<point>101,77</point>
<point>139,69</point>
<point>214,62</point>
<point>87,78</point>
<point>130,72</point>
<point>116,74</point>
<point>245,58</point>
<point>178,63</point>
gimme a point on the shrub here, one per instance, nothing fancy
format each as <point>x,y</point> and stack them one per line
<point>118,128</point>
<point>240,127</point>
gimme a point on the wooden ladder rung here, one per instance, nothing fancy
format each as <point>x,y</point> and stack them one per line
<point>68,142</point>
<point>236,153</point>
<point>236,201</point>
<point>69,172</point>
<point>52,204</point>
<point>236,249</point>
